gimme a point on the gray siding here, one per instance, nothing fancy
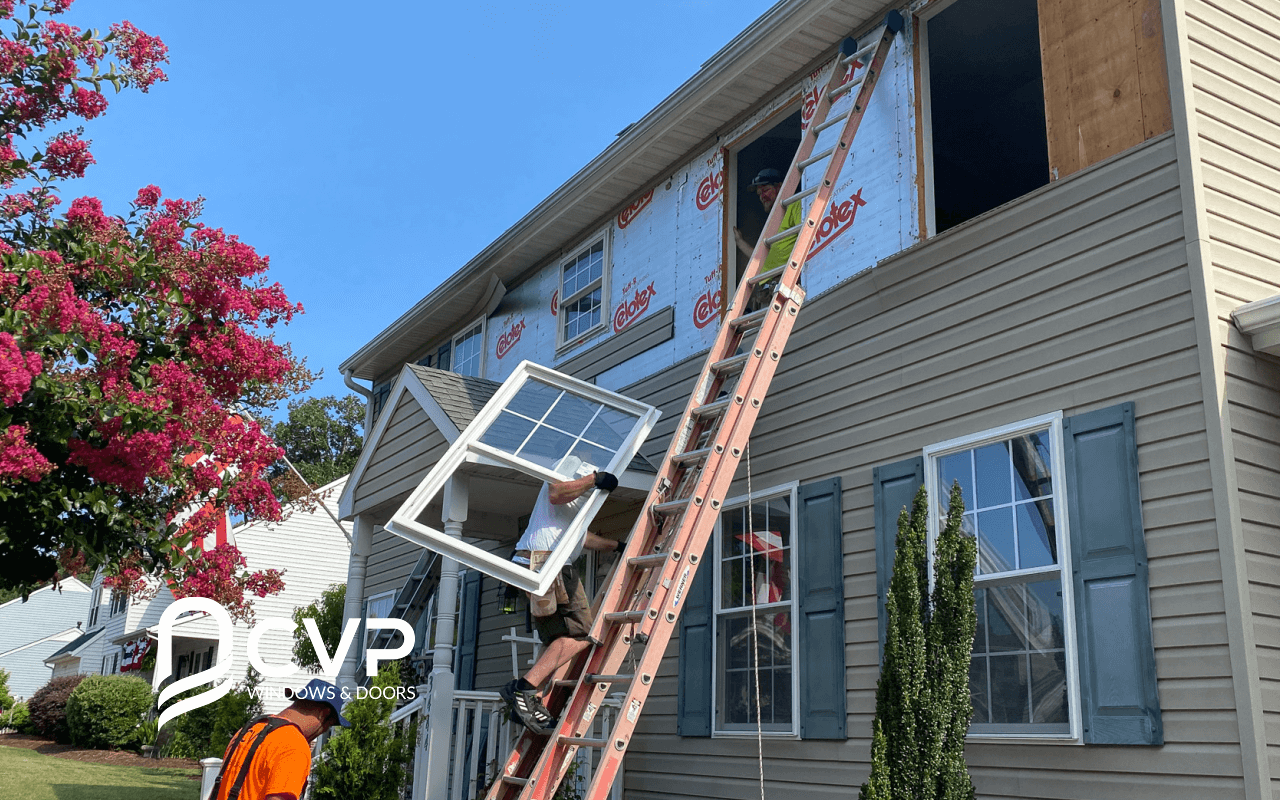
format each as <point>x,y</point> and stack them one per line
<point>1071,299</point>
<point>409,446</point>
<point>1235,74</point>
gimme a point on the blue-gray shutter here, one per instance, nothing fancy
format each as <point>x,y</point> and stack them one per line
<point>693,703</point>
<point>820,590</point>
<point>894,486</point>
<point>464,670</point>
<point>1118,693</point>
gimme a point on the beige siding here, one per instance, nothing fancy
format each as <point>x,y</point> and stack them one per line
<point>408,447</point>
<point>1235,74</point>
<point>1074,298</point>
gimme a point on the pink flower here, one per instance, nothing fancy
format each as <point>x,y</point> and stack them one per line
<point>142,54</point>
<point>88,103</point>
<point>6,9</point>
<point>13,56</point>
<point>148,197</point>
<point>17,370</point>
<point>67,156</point>
<point>59,6</point>
<point>18,458</point>
<point>86,212</point>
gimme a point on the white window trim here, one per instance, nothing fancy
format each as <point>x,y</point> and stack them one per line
<point>924,12</point>
<point>790,490</point>
<point>482,323</point>
<point>563,344</point>
<point>380,596</point>
<point>1053,423</point>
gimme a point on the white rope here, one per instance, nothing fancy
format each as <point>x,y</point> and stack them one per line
<point>755,639</point>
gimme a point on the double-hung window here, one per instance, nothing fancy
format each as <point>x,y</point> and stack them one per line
<point>1021,676</point>
<point>468,350</point>
<point>584,288</point>
<point>755,614</point>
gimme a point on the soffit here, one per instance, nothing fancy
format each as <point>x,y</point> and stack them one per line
<point>767,57</point>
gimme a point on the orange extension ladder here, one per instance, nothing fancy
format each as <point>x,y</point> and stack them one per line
<point>643,597</point>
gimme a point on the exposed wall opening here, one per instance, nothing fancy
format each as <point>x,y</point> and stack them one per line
<point>773,147</point>
<point>983,106</point>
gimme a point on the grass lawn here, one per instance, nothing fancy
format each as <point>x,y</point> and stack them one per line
<point>27,775</point>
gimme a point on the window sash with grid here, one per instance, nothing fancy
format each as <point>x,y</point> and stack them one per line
<point>1019,676</point>
<point>774,610</point>
<point>468,350</point>
<point>582,292</point>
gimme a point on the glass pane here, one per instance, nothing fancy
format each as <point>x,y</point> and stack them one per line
<point>733,527</point>
<point>1009,689</point>
<point>978,691</point>
<point>779,705</point>
<point>731,586</point>
<point>572,414</point>
<point>1032,458</point>
<point>533,399</point>
<point>735,697</point>
<point>592,457</point>
<point>955,467</point>
<point>1006,610</point>
<point>980,636</point>
<point>547,447</point>
<point>610,428</point>
<point>1037,538</point>
<point>995,541</point>
<point>991,463</point>
<point>1044,616</point>
<point>507,432</point>
<point>1048,687</point>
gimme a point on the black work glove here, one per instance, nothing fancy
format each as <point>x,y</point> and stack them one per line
<point>606,481</point>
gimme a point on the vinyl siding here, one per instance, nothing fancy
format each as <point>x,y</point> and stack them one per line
<point>408,447</point>
<point>1071,299</point>
<point>1234,49</point>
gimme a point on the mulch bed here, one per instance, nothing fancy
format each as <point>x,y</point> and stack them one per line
<point>119,758</point>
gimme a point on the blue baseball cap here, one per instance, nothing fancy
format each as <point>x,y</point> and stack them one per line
<point>766,177</point>
<point>321,691</point>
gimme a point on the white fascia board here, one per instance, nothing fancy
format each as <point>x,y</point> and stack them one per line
<point>467,449</point>
<point>1260,320</point>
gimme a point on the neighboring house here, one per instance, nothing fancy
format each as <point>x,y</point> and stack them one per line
<point>310,547</point>
<point>32,629</point>
<point>1052,274</point>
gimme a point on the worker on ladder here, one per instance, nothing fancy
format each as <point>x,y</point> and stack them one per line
<point>562,616</point>
<point>767,184</point>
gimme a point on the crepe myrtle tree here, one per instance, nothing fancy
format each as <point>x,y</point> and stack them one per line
<point>127,342</point>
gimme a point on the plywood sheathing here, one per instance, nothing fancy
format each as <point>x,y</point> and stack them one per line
<point>1105,84</point>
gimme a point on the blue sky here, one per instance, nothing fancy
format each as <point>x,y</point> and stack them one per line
<point>371,153</point>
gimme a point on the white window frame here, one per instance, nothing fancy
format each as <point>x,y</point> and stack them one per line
<point>924,11</point>
<point>373,598</point>
<point>562,342</point>
<point>95,603</point>
<point>791,491</point>
<point>463,334</point>
<point>468,448</point>
<point>1053,424</point>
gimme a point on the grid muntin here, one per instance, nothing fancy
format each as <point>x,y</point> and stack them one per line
<point>466,354</point>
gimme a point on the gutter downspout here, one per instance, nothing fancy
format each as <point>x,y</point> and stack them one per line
<point>353,608</point>
<point>366,394</point>
<point>440,716</point>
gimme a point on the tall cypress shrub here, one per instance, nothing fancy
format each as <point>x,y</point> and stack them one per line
<point>922,699</point>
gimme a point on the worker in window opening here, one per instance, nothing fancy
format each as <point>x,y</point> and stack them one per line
<point>562,616</point>
<point>767,184</point>
<point>270,758</point>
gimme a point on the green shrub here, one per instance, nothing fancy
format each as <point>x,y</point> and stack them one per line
<point>48,707</point>
<point>6,699</point>
<point>328,613</point>
<point>371,759</point>
<point>205,732</point>
<point>18,718</point>
<point>105,711</point>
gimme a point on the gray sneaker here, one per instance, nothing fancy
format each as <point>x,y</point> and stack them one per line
<point>527,707</point>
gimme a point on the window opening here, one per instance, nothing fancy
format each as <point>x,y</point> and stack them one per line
<point>984,109</point>
<point>773,149</point>
<point>583,282</point>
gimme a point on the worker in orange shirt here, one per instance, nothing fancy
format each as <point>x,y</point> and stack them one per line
<point>270,758</point>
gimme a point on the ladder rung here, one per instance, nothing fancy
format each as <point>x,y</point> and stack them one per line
<point>853,84</point>
<point>861,52</point>
<point>515,780</point>
<point>728,366</point>
<point>583,741</point>
<point>780,235</point>
<point>402,606</point>
<point>624,616</point>
<point>798,196</point>
<point>712,409</point>
<point>609,678</point>
<point>752,320</point>
<point>649,560</point>
<point>836,120</point>
<point>670,507</point>
<point>765,277</point>
<point>811,160</point>
<point>692,455</point>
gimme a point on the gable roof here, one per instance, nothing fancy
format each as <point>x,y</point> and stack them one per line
<point>73,647</point>
<point>771,55</point>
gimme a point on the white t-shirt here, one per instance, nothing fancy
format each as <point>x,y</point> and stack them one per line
<point>548,522</point>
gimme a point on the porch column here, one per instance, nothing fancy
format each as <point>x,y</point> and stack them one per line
<point>440,719</point>
<point>353,608</point>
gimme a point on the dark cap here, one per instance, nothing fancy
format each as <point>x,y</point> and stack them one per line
<point>319,691</point>
<point>767,176</point>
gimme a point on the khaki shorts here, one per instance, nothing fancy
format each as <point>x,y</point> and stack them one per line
<point>564,610</point>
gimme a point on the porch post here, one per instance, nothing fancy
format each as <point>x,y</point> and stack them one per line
<point>353,608</point>
<point>440,716</point>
